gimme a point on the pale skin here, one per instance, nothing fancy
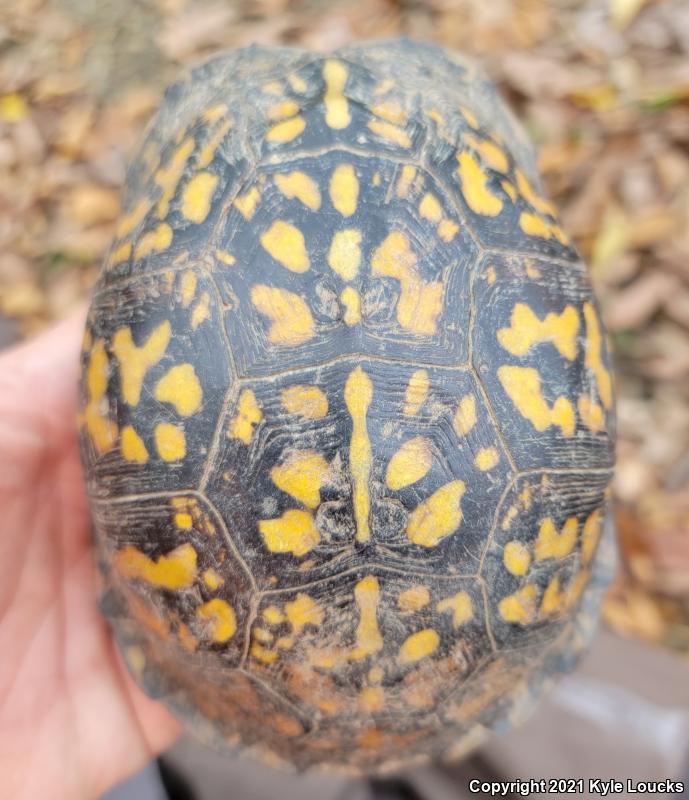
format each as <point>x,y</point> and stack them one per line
<point>72,721</point>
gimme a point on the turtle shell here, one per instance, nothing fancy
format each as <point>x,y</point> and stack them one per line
<point>347,411</point>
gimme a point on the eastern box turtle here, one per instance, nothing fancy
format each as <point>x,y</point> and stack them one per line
<point>347,411</point>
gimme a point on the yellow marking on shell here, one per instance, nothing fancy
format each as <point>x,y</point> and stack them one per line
<point>219,620</point>
<point>516,556</point>
<point>420,302</point>
<point>416,392</point>
<point>303,611</point>
<point>465,415</point>
<point>523,386</point>
<point>262,635</point>
<point>201,311</point>
<point>390,111</point>
<point>460,605</point>
<point>154,241</point>
<point>300,185</point>
<point>186,638</point>
<point>283,109</point>
<point>197,196</point>
<point>414,599</point>
<point>247,203</point>
<point>260,653</point>
<point>302,476</point>
<point>294,532</point>
<point>272,87</point>
<point>248,416</point>
<point>592,414</point>
<point>430,208</point>
<point>594,355</point>
<point>527,330</point>
<point>509,517</point>
<point>351,300</point>
<point>520,607</point>
<point>447,229</point>
<point>180,387</point>
<point>121,253</point>
<point>188,287</point>
<point>384,87</point>
<point>368,637</point>
<point>212,579</point>
<point>375,674</point>
<point>372,699</point>
<point>533,225</point>
<point>590,535</point>
<point>214,113</point>
<point>168,177</point>
<point>337,114</point>
<point>136,659</point>
<point>286,131</point>
<point>410,463</point>
<point>391,133</point>
<point>102,430</point>
<point>132,446</point>
<point>509,190</point>
<point>525,497</point>
<point>490,275</point>
<point>478,196</point>
<point>290,316</point>
<point>134,362</point>
<point>470,117</point>
<point>487,458</point>
<point>405,181</point>
<point>554,599</point>
<point>358,394</point>
<point>419,645</point>
<point>176,570</point>
<point>376,179</point>
<point>493,155</point>
<point>436,116</point>
<point>132,219</point>
<point>531,270</point>
<point>285,726</point>
<point>210,148</point>
<point>551,544</point>
<point>225,257</point>
<point>273,615</point>
<point>309,402</point>
<point>170,441</point>
<point>285,243</point>
<point>532,197</point>
<point>344,189</point>
<point>344,256</point>
<point>437,517</point>
<point>183,519</point>
<point>297,83</point>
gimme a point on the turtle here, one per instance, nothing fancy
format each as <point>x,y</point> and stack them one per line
<point>347,411</point>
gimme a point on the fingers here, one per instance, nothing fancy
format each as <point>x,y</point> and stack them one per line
<point>38,389</point>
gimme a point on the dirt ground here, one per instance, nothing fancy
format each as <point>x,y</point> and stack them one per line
<point>603,88</point>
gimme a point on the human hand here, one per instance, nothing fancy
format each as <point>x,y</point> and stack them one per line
<point>72,721</point>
